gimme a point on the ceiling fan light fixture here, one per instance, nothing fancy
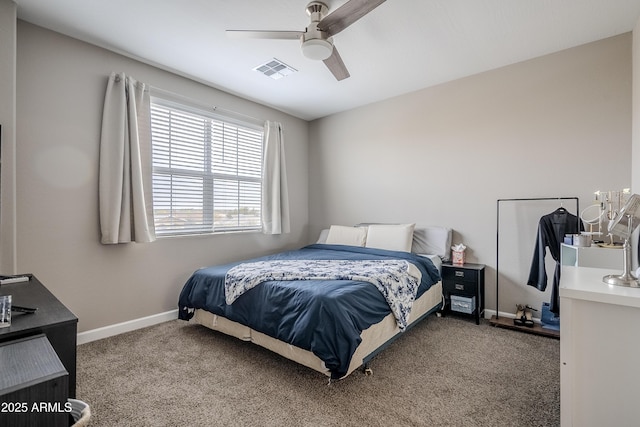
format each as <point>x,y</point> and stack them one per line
<point>317,49</point>
<point>317,38</point>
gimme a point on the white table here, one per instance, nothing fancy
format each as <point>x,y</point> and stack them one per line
<point>599,350</point>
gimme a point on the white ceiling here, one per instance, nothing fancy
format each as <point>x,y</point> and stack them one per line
<point>400,47</point>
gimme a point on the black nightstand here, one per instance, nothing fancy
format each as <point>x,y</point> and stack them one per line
<point>463,289</point>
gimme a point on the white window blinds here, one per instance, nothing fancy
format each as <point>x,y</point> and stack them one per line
<point>206,171</point>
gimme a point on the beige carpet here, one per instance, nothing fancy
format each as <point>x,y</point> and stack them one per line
<point>443,372</point>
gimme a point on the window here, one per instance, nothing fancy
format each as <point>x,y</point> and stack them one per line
<point>207,171</point>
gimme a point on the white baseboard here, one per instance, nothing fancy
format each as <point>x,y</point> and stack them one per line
<point>489,313</point>
<point>143,322</point>
<point>131,325</point>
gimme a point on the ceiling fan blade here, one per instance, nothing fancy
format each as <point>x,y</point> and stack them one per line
<point>346,15</point>
<point>279,35</point>
<point>336,66</point>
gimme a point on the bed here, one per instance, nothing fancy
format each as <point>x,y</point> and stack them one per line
<point>331,306</point>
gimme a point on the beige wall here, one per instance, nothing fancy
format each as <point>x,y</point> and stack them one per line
<point>8,35</point>
<point>636,110</point>
<point>445,154</point>
<point>635,126</point>
<point>60,93</point>
<point>442,155</point>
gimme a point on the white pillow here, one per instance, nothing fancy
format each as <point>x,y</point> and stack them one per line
<point>322,238</point>
<point>344,235</point>
<point>433,240</point>
<point>390,237</point>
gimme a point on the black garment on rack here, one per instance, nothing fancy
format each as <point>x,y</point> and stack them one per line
<point>551,230</point>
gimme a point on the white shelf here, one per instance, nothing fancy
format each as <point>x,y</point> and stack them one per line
<point>591,256</point>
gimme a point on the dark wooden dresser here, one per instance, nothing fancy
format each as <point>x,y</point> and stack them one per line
<point>34,385</point>
<point>52,318</point>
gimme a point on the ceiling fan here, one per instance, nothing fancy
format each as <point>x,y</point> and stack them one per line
<point>317,39</point>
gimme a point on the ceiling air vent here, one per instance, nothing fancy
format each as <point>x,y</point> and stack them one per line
<point>275,69</point>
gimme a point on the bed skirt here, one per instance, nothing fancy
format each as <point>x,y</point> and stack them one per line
<point>374,339</point>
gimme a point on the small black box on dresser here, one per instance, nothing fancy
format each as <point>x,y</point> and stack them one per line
<point>466,283</point>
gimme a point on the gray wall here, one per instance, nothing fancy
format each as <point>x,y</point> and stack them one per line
<point>635,158</point>
<point>60,94</point>
<point>8,12</point>
<point>636,110</point>
<point>442,155</point>
<point>558,125</point>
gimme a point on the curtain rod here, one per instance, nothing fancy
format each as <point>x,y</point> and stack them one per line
<point>205,105</point>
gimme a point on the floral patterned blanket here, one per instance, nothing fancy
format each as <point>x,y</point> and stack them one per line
<point>393,278</point>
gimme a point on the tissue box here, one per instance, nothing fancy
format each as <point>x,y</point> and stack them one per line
<point>457,257</point>
<point>549,320</point>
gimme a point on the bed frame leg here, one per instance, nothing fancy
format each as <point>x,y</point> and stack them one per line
<point>367,370</point>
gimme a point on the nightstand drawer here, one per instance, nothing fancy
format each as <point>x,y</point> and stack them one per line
<point>458,286</point>
<point>460,274</point>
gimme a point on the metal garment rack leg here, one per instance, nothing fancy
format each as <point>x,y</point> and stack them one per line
<point>498,234</point>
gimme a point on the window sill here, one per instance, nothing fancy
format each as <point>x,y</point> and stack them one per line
<point>215,233</point>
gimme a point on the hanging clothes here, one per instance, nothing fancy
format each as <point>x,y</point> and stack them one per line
<point>551,231</point>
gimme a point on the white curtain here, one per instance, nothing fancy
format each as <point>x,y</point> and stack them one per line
<point>126,206</point>
<point>275,196</point>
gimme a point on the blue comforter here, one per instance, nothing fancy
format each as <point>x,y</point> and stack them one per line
<point>325,317</point>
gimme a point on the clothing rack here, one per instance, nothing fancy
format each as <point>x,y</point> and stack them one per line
<point>495,320</point>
